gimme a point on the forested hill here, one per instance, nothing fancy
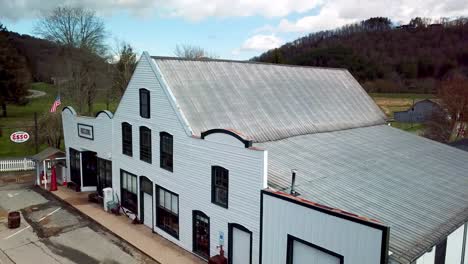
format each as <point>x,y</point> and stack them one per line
<point>382,56</point>
<point>45,60</point>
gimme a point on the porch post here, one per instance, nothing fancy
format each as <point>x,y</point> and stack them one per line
<point>81,171</point>
<point>45,174</point>
<point>38,173</point>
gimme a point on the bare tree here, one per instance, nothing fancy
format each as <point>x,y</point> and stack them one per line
<point>438,127</point>
<point>123,67</point>
<point>51,129</point>
<point>83,58</point>
<point>192,52</point>
<point>73,27</point>
<point>454,95</point>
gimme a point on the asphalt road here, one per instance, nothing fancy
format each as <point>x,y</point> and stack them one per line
<point>51,232</point>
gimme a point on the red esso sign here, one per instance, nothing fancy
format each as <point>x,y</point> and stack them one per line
<point>19,137</point>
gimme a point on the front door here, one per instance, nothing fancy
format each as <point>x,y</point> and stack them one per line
<point>146,201</point>
<point>201,234</point>
<point>148,210</point>
<point>75,168</point>
<point>89,167</point>
<point>104,175</point>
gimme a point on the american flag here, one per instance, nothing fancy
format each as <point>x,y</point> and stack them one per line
<point>55,105</point>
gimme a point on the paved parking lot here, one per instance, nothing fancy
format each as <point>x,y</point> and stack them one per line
<point>52,232</point>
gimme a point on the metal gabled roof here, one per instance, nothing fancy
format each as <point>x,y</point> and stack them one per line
<point>266,101</point>
<point>416,186</point>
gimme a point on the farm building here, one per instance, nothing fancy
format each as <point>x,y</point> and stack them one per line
<point>420,112</point>
<point>280,164</point>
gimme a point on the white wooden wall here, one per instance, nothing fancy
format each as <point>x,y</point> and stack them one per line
<point>193,158</point>
<point>102,129</point>
<point>356,242</point>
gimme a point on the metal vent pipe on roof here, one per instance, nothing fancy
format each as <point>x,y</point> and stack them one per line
<point>293,181</point>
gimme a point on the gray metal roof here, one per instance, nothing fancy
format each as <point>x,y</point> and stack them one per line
<point>416,186</point>
<point>267,101</point>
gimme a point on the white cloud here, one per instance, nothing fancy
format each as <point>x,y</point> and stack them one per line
<point>189,9</point>
<point>335,13</point>
<point>260,43</point>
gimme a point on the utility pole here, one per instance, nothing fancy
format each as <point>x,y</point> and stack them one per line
<point>36,140</point>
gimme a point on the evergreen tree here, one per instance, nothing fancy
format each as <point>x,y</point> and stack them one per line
<point>14,73</point>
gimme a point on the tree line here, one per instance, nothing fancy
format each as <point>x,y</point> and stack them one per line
<point>383,56</point>
<point>72,54</point>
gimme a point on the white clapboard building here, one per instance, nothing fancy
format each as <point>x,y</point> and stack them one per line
<point>280,164</point>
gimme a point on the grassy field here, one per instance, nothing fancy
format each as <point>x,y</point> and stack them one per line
<point>21,118</point>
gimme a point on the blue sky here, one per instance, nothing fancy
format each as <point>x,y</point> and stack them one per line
<point>159,35</point>
<point>230,29</point>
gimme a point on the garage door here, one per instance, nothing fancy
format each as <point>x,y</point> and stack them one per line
<point>240,245</point>
<point>303,252</point>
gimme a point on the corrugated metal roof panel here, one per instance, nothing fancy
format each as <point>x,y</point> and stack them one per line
<point>266,101</point>
<point>416,186</point>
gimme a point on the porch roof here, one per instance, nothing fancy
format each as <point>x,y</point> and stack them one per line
<point>47,154</point>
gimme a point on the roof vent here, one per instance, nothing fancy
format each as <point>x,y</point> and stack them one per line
<point>293,183</point>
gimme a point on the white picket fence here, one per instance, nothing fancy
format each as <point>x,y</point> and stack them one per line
<point>20,164</point>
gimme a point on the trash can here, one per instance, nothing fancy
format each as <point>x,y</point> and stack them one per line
<point>14,220</point>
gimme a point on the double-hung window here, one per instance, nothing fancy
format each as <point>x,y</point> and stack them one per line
<point>145,144</point>
<point>128,191</point>
<point>166,151</point>
<point>144,103</point>
<point>219,186</point>
<point>167,211</point>
<point>127,148</point>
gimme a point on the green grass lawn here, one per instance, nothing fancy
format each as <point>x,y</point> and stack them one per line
<point>21,118</point>
<point>416,128</point>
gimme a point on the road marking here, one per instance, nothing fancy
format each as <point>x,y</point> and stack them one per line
<point>19,231</point>
<point>49,214</point>
<point>14,234</point>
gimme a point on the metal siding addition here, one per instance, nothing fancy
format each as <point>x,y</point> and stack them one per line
<point>423,199</point>
<point>331,233</point>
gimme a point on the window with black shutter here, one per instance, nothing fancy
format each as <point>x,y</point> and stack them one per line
<point>144,103</point>
<point>219,186</point>
<point>166,151</point>
<point>145,144</point>
<point>128,191</point>
<point>127,148</point>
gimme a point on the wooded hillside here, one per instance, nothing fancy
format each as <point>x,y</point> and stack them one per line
<point>382,56</point>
